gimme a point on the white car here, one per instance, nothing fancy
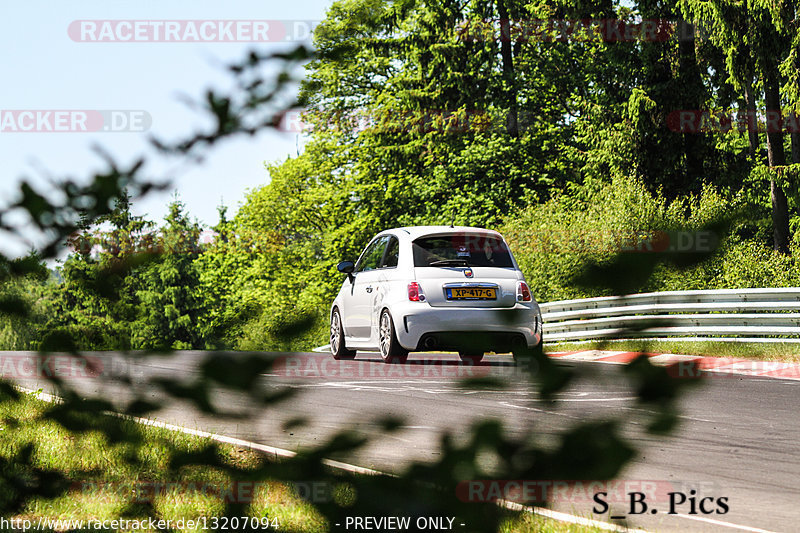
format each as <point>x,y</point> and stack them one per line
<point>437,288</point>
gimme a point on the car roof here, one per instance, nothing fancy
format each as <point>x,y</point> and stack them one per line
<point>415,232</point>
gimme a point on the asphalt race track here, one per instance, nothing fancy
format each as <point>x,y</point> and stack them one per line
<point>739,436</point>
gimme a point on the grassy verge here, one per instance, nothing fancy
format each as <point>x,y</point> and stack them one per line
<point>119,485</point>
<point>788,352</point>
<point>106,483</point>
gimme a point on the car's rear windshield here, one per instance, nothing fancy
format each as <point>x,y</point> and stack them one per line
<point>478,250</point>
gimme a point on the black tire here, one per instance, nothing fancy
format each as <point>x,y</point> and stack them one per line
<point>471,357</point>
<point>338,348</point>
<point>391,351</point>
<point>525,355</point>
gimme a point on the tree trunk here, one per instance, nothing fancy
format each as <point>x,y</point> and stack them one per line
<point>689,75</point>
<point>776,158</point>
<point>752,126</point>
<point>795,140</point>
<point>512,121</point>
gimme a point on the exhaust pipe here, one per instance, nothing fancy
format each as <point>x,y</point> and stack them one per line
<point>431,343</point>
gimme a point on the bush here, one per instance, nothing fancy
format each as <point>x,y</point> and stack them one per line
<point>595,223</point>
<point>749,264</point>
<point>101,334</point>
<point>284,328</point>
<point>24,311</point>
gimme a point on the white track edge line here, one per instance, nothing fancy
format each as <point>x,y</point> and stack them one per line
<point>569,518</point>
<point>263,448</point>
<point>724,524</point>
<point>280,452</point>
<point>715,370</point>
<point>513,506</point>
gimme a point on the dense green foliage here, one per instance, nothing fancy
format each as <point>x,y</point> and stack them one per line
<point>126,287</point>
<point>417,119</point>
<point>559,136</point>
<point>421,112</point>
<point>554,241</point>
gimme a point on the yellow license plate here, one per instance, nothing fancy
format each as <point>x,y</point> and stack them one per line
<point>471,293</point>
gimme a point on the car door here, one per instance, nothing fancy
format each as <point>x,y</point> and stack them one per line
<point>387,273</point>
<point>364,290</point>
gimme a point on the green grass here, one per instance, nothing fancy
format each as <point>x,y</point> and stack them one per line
<point>532,523</point>
<point>104,476</point>
<point>787,352</point>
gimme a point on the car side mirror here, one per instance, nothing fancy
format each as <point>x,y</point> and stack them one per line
<point>347,267</point>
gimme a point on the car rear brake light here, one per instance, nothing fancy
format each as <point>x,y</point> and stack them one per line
<point>523,292</point>
<point>415,293</point>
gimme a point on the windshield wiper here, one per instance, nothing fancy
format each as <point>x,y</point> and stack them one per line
<point>449,263</point>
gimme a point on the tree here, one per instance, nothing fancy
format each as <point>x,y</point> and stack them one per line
<point>751,37</point>
<point>435,172</point>
<point>97,300</point>
<point>171,302</point>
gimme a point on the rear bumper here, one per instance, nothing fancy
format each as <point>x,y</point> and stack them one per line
<point>467,328</point>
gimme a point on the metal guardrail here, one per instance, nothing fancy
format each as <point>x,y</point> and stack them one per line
<point>728,314</point>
